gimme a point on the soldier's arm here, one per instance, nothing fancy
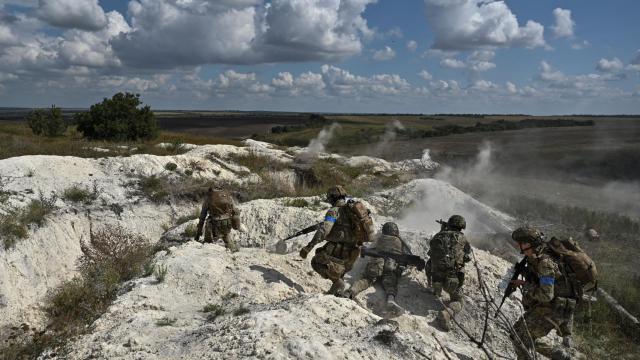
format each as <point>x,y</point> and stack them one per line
<point>544,291</point>
<point>324,229</point>
<point>467,250</point>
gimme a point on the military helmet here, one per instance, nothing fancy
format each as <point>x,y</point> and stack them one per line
<point>457,222</point>
<point>528,234</point>
<point>336,192</point>
<point>592,234</point>
<point>390,228</point>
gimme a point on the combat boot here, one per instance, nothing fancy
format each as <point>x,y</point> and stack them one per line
<point>337,288</point>
<point>393,306</point>
<point>444,319</point>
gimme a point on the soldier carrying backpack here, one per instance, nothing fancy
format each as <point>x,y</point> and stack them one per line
<point>346,226</point>
<point>223,216</point>
<point>448,253</point>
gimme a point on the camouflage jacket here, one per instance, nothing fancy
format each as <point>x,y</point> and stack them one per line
<point>332,219</point>
<point>391,244</point>
<point>542,274</point>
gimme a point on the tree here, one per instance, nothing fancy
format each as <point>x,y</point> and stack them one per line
<point>47,124</point>
<point>120,118</point>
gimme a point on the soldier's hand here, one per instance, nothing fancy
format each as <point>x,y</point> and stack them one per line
<point>304,252</point>
<point>518,282</point>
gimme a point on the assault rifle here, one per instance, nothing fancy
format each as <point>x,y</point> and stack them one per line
<point>402,259</point>
<point>443,225</point>
<point>517,271</point>
<point>304,231</point>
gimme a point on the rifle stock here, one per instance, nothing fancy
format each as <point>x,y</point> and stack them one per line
<point>402,259</point>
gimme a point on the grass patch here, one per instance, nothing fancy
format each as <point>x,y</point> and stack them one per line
<point>229,295</point>
<point>213,311</point>
<point>160,189</point>
<point>17,139</point>
<point>160,273</point>
<point>170,166</point>
<point>110,257</point>
<point>242,310</point>
<point>257,162</point>
<point>166,321</point>
<point>79,194</point>
<point>14,224</point>
<point>190,231</point>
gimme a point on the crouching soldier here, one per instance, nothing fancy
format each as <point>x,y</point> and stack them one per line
<point>346,226</point>
<point>223,216</point>
<point>382,267</point>
<point>449,251</point>
<point>548,296</point>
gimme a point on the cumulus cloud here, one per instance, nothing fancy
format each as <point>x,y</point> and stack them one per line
<point>511,87</point>
<point>477,61</point>
<point>79,14</point>
<point>412,45</point>
<point>384,54</point>
<point>424,74</point>
<point>169,33</point>
<point>472,24</point>
<point>563,23</point>
<point>609,66</point>
<point>341,82</point>
<point>635,62</point>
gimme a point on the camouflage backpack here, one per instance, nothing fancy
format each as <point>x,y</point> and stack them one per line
<point>576,259</point>
<point>359,219</point>
<point>220,203</point>
<point>446,251</point>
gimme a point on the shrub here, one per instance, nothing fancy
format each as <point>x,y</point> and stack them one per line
<point>160,273</point>
<point>49,124</point>
<point>37,210</point>
<point>12,229</point>
<point>79,194</point>
<point>190,231</point>
<point>213,311</point>
<point>241,311</point>
<point>297,203</point>
<point>118,118</point>
<point>171,166</point>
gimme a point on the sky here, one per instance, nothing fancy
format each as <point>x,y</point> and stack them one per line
<point>386,56</point>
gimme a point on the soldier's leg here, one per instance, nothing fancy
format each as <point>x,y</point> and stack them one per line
<point>329,269</point>
<point>208,235</point>
<point>390,285</point>
<point>528,328</point>
<point>451,286</point>
<point>371,273</point>
<point>437,285</point>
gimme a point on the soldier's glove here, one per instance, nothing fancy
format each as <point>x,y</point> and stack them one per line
<point>518,282</point>
<point>304,252</point>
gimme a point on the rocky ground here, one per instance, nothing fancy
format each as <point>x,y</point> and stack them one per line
<point>271,305</point>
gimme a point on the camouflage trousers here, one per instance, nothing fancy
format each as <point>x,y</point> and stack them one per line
<point>385,270</point>
<point>333,260</point>
<point>452,284</point>
<point>538,321</point>
<point>219,229</point>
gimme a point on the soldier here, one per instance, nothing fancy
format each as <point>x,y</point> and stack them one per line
<point>448,252</point>
<point>343,236</point>
<point>548,296</point>
<point>385,269</point>
<point>223,216</point>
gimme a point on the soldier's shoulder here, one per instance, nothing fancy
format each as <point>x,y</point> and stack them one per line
<point>545,263</point>
<point>333,211</point>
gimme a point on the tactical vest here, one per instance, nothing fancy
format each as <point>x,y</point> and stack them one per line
<point>447,251</point>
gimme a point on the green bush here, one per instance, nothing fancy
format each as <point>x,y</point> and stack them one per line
<point>171,166</point>
<point>79,194</point>
<point>166,321</point>
<point>242,310</point>
<point>301,203</point>
<point>190,231</point>
<point>49,124</point>
<point>118,118</point>
<point>160,273</point>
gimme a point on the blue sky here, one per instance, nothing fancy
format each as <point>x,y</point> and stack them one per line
<point>426,56</point>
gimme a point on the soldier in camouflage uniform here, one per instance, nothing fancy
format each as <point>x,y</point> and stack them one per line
<point>448,252</point>
<point>384,269</point>
<point>548,296</point>
<point>223,216</point>
<point>333,260</point>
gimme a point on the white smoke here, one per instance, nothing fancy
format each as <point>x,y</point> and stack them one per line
<point>390,134</point>
<point>318,144</point>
